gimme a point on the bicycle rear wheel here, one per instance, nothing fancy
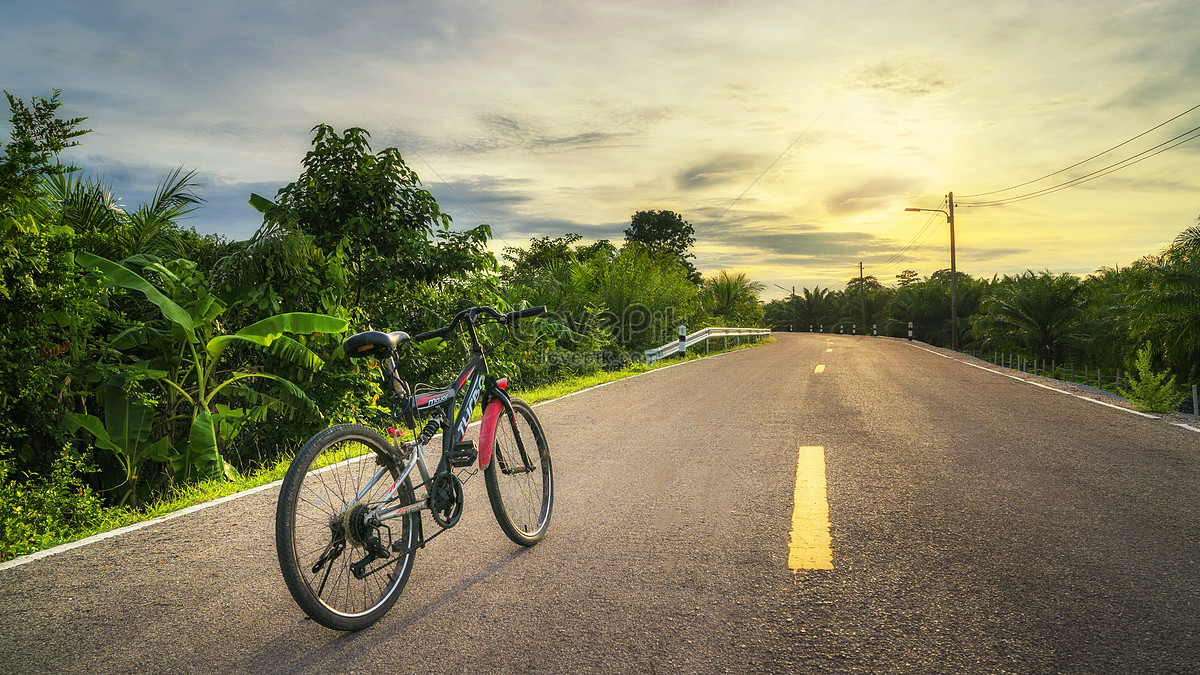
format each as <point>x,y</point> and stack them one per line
<point>340,569</point>
<point>520,484</point>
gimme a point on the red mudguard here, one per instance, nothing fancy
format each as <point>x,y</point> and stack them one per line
<point>487,428</point>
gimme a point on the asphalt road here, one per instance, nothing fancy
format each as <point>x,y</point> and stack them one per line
<point>979,524</point>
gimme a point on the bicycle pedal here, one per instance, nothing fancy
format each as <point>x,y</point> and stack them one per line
<point>463,454</point>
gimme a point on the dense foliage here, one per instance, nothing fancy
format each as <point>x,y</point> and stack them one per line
<point>1105,319</point>
<point>140,356</point>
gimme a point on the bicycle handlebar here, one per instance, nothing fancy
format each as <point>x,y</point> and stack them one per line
<point>474,315</point>
<point>527,312</point>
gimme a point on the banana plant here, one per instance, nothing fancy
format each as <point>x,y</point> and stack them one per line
<point>193,348</point>
<point>126,432</point>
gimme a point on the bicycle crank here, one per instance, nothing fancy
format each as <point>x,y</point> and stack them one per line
<point>446,499</point>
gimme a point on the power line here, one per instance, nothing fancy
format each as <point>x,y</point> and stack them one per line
<point>892,265</point>
<point>1013,187</point>
<point>1191,135</point>
<point>910,248</point>
<point>770,166</point>
<point>898,255</point>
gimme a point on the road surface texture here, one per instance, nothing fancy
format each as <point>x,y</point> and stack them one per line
<point>979,524</point>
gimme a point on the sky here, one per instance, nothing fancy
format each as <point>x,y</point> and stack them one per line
<point>790,135</point>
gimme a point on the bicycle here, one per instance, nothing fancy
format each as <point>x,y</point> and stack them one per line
<point>334,522</point>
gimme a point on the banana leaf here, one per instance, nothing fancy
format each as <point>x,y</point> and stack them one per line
<point>119,275</point>
<point>200,452</point>
<point>264,333</point>
<point>128,421</point>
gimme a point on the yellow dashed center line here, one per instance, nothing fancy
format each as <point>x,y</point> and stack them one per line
<point>820,369</point>
<point>811,547</point>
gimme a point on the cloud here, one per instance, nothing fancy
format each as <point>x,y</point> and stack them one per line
<point>800,243</point>
<point>873,194</point>
<point>506,205</point>
<point>908,76</point>
<point>717,170</point>
<point>498,132</point>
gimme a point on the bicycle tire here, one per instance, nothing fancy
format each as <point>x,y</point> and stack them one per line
<point>522,500</point>
<point>312,516</point>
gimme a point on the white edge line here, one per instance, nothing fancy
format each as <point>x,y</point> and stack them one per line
<point>1043,386</point>
<point>63,548</point>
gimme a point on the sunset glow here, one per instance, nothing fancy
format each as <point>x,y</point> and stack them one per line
<point>791,135</point>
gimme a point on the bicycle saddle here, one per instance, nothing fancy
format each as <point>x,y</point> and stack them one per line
<point>373,343</point>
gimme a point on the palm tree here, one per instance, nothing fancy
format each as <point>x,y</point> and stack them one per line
<point>817,307</point>
<point>152,228</point>
<point>1039,312</point>
<point>1167,313</point>
<point>733,298</point>
<point>106,228</point>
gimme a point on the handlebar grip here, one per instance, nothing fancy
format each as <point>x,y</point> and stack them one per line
<point>527,312</point>
<point>429,335</point>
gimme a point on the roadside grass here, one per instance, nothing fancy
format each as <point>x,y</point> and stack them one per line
<point>104,519</point>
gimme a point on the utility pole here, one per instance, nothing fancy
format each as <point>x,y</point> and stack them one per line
<point>793,304</point>
<point>953,278</point>
<point>793,309</point>
<point>953,271</point>
<point>862,286</point>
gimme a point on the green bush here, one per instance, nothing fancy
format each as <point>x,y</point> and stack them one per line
<point>42,511</point>
<point>1150,391</point>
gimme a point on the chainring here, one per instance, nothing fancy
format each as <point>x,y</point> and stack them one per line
<point>446,499</point>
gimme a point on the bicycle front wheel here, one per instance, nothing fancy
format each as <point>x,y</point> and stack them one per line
<point>519,477</point>
<point>344,571</point>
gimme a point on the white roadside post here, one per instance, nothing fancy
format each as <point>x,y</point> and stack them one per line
<point>682,340</point>
<point>874,330</point>
<point>910,330</point>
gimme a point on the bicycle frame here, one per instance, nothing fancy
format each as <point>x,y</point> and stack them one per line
<point>472,382</point>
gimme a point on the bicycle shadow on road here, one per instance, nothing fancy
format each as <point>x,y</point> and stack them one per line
<point>305,653</point>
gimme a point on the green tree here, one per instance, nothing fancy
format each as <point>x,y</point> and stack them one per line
<point>363,211</point>
<point>664,232</point>
<point>927,305</point>
<point>817,307</point>
<point>865,302</point>
<point>543,254</point>
<point>1041,313</point>
<point>48,352</point>
<point>1151,391</point>
<point>1108,312</point>
<point>906,277</point>
<point>777,314</point>
<point>646,295</point>
<point>104,227</point>
<point>1167,311</point>
<point>732,299</point>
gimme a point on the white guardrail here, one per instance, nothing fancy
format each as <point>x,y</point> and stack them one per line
<point>703,335</point>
